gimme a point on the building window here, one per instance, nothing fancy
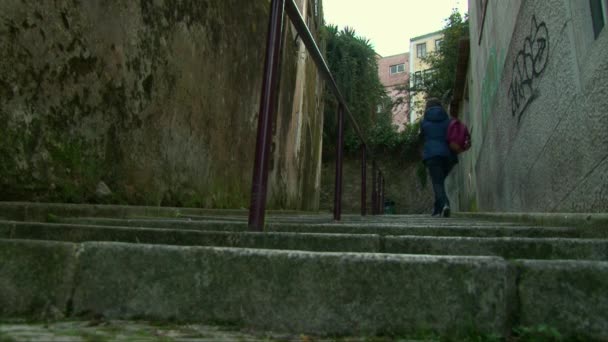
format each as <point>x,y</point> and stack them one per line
<point>438,44</point>
<point>417,79</point>
<point>421,50</point>
<point>397,69</point>
<point>599,13</point>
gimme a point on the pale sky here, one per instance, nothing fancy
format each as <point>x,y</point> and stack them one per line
<point>389,24</point>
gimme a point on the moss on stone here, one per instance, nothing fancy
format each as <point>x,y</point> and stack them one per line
<point>4,337</point>
<point>46,285</point>
<point>162,110</point>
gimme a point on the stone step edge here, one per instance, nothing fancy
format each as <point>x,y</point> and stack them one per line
<point>507,247</point>
<point>347,227</point>
<point>290,221</point>
<point>591,223</point>
<point>302,292</point>
<point>27,211</point>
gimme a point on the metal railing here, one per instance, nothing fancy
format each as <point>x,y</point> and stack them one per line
<point>268,105</point>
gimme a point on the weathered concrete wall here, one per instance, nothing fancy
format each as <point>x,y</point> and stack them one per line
<point>296,167</point>
<point>538,114</point>
<point>158,99</point>
<point>402,182</point>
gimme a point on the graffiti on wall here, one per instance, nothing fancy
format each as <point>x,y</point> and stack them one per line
<point>529,64</point>
<point>491,83</point>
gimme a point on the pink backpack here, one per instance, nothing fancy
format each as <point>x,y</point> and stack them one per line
<point>459,137</point>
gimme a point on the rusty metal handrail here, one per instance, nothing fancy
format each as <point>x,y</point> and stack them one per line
<point>307,38</point>
<point>268,108</point>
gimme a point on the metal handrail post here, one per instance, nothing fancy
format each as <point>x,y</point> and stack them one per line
<point>363,181</point>
<point>379,193</point>
<point>374,188</point>
<point>268,105</point>
<point>379,180</point>
<point>299,23</point>
<point>382,197</point>
<point>339,161</point>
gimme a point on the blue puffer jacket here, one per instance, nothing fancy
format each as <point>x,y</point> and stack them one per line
<point>434,128</point>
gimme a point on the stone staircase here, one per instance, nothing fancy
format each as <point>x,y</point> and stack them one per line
<point>386,276</point>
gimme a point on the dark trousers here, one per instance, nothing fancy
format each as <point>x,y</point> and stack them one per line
<point>439,168</point>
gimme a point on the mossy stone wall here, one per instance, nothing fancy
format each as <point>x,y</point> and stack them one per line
<point>157,99</point>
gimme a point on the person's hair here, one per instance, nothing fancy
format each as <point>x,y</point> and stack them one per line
<point>432,102</point>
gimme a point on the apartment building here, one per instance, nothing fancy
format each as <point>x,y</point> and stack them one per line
<point>420,47</point>
<point>393,72</point>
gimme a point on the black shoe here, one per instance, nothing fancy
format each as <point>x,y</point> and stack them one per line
<point>445,212</point>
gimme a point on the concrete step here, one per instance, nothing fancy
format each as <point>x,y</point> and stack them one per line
<point>323,293</point>
<point>506,247</point>
<point>589,224</point>
<point>304,292</point>
<point>372,222</point>
<point>138,331</point>
<point>430,229</point>
<point>380,227</point>
<point>32,211</point>
<point>365,243</point>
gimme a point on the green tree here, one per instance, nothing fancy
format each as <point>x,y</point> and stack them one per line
<point>444,61</point>
<point>352,61</point>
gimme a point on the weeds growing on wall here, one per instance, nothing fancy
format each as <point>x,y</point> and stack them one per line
<point>38,165</point>
<point>352,61</point>
<point>387,140</point>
